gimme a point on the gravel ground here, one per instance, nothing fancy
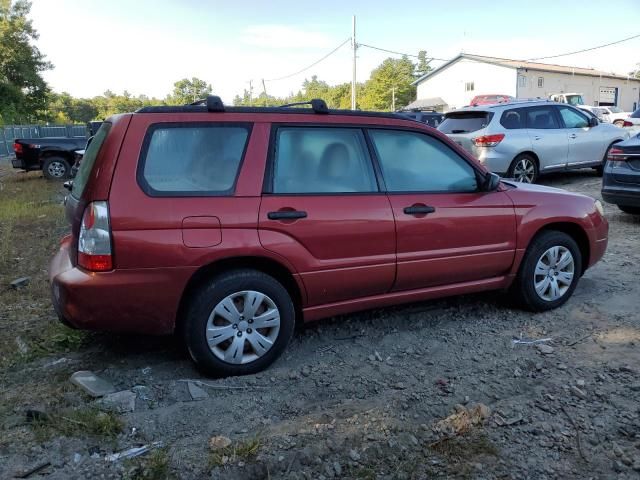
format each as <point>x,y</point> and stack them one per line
<point>358,396</point>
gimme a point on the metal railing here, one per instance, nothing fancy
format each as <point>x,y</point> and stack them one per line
<point>10,132</point>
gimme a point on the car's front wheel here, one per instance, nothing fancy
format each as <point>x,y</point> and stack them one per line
<point>549,272</point>
<point>239,323</point>
<point>524,168</point>
<point>56,168</point>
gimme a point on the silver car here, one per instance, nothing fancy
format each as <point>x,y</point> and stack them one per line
<point>524,139</point>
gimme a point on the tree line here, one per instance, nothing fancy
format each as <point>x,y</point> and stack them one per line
<point>26,98</point>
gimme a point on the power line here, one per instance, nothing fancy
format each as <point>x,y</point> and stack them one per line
<point>400,53</point>
<point>586,49</point>
<point>312,65</point>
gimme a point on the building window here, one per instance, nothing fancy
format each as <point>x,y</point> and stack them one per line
<point>540,82</point>
<point>469,87</point>
<point>522,81</point>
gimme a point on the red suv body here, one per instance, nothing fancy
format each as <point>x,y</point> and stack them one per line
<point>230,224</point>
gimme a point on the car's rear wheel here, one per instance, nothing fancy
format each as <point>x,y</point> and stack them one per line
<point>549,272</point>
<point>524,168</point>
<point>56,168</point>
<point>631,210</point>
<point>239,323</point>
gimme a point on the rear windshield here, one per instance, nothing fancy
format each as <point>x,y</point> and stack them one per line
<point>88,159</point>
<point>465,122</point>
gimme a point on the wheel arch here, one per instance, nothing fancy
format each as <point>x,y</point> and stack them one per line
<point>265,265</point>
<point>576,232</point>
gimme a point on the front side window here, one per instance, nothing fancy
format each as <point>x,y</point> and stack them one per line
<point>573,118</point>
<point>192,159</point>
<point>321,160</point>
<point>415,162</point>
<point>541,118</point>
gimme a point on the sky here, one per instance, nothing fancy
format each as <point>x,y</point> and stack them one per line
<point>144,46</point>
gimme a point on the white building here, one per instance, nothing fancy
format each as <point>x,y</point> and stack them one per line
<point>456,82</point>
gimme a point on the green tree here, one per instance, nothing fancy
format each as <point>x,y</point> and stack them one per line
<point>394,74</point>
<point>23,91</point>
<point>636,72</point>
<point>188,91</point>
<point>423,64</point>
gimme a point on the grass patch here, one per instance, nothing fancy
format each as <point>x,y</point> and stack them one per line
<point>154,466</point>
<point>235,452</point>
<point>75,423</point>
<point>465,447</point>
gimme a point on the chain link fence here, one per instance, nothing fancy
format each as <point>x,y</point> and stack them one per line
<point>10,132</point>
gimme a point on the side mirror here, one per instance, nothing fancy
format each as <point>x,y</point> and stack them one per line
<point>593,122</point>
<point>491,182</point>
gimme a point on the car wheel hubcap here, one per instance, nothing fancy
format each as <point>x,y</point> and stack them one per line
<point>524,171</point>
<point>56,169</point>
<point>243,327</point>
<point>554,273</point>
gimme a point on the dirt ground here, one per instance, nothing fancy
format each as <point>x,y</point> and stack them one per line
<point>353,397</point>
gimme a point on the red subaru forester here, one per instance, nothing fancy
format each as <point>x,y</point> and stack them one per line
<point>229,224</point>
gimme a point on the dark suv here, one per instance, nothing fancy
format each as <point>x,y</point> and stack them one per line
<point>229,224</point>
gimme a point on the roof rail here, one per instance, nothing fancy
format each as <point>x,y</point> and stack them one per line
<point>317,105</point>
<point>213,103</point>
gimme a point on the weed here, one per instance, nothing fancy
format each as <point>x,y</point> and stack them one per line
<point>154,466</point>
<point>85,421</point>
<point>235,452</point>
<point>465,447</point>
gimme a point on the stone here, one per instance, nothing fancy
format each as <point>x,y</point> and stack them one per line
<point>544,349</point>
<point>92,384</point>
<point>20,282</point>
<point>122,402</point>
<point>337,468</point>
<point>219,442</point>
<point>354,455</point>
<point>578,393</point>
<point>196,392</point>
<point>580,383</point>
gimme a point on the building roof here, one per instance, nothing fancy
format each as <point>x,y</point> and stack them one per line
<point>521,64</point>
<point>425,103</point>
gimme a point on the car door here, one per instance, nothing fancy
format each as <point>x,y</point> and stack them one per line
<point>585,142</point>
<point>323,211</point>
<point>448,231</point>
<point>548,140</point>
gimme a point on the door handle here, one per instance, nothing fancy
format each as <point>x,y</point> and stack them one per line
<point>573,135</point>
<point>286,215</point>
<point>418,210</point>
<point>537,137</point>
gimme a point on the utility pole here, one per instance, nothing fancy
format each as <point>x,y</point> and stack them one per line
<point>354,46</point>
<point>266,97</point>
<point>251,93</point>
<point>393,99</point>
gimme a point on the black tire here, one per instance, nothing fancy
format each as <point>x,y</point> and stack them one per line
<point>524,289</point>
<point>202,304</point>
<point>631,210</point>
<point>514,168</point>
<point>56,168</point>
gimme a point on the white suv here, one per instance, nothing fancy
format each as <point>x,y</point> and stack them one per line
<point>525,139</point>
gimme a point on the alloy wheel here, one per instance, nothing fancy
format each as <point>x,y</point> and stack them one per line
<point>554,273</point>
<point>57,169</point>
<point>524,170</point>
<point>242,327</point>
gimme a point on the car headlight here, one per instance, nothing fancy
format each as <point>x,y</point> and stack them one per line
<point>599,207</point>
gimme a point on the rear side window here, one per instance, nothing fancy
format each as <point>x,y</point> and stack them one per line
<point>192,159</point>
<point>311,160</point>
<point>541,118</point>
<point>415,162</point>
<point>513,119</point>
<point>89,159</point>
<point>465,122</point>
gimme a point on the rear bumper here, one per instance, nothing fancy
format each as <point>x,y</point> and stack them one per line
<point>621,197</point>
<point>18,163</point>
<point>138,301</point>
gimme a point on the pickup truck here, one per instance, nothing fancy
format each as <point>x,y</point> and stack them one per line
<point>54,156</point>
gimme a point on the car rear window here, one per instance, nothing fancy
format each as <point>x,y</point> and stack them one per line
<point>465,122</point>
<point>88,160</point>
<point>192,159</point>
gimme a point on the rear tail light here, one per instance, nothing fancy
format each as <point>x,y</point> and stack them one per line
<point>488,140</point>
<point>616,155</point>
<point>94,242</point>
<point>17,147</point>
<point>627,123</point>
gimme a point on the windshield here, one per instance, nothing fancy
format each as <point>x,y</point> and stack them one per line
<point>615,109</point>
<point>88,159</point>
<point>465,122</point>
<point>575,100</point>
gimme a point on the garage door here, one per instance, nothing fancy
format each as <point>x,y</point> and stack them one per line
<point>608,96</point>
